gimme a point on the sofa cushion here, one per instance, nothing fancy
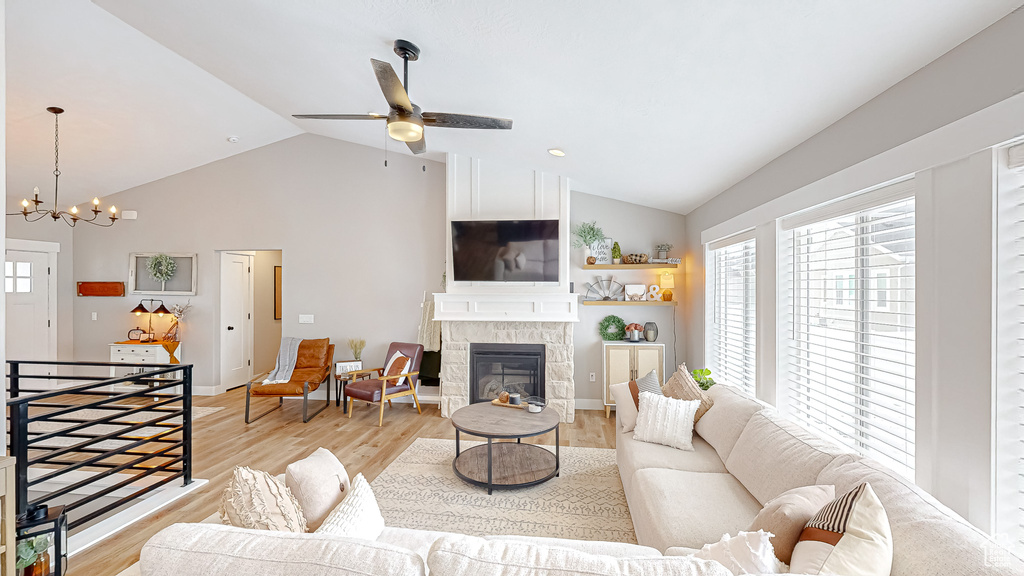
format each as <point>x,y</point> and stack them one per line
<point>625,408</point>
<point>682,386</point>
<point>205,549</point>
<point>312,354</point>
<point>774,455</point>
<point>319,482</point>
<point>850,535</point>
<point>468,555</point>
<point>632,455</point>
<point>255,499</point>
<point>691,509</point>
<point>357,516</point>
<point>724,421</point>
<point>664,420</point>
<point>786,515</point>
<point>928,537</point>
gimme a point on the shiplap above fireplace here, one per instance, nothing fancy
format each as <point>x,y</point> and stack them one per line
<point>527,307</point>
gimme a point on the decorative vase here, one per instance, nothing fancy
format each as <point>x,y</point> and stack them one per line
<point>634,335</point>
<point>662,254</point>
<point>616,260</point>
<point>650,331</point>
<point>41,567</point>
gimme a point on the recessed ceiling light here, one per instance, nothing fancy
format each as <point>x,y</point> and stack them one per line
<point>233,139</point>
<point>556,152</point>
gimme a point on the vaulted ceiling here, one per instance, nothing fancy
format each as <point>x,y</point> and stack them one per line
<point>661,103</point>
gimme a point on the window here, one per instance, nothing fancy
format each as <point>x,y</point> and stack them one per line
<point>849,361</point>
<point>17,277</point>
<point>731,316</point>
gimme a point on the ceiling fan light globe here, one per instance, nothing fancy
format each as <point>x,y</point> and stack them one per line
<point>405,129</point>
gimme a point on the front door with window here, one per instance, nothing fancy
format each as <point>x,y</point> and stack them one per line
<point>27,287</point>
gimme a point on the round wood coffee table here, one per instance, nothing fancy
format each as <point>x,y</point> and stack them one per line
<point>504,465</point>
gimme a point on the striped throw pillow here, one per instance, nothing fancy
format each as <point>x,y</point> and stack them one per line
<point>850,535</point>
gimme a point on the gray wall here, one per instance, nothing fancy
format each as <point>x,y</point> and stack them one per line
<point>636,229</point>
<point>266,330</point>
<point>360,243</point>
<point>969,78</point>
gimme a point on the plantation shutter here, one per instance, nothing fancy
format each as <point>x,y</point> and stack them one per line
<point>731,324</point>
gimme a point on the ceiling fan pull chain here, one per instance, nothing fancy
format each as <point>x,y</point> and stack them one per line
<point>385,146</point>
<point>56,158</point>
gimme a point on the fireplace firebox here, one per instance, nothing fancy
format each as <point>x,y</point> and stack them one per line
<point>494,368</point>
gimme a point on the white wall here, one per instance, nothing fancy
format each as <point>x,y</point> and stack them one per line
<point>940,117</point>
<point>360,244</point>
<point>636,229</point>
<point>267,330</point>
<point>3,188</point>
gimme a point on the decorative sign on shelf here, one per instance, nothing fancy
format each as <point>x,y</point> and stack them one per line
<point>101,288</point>
<point>602,250</point>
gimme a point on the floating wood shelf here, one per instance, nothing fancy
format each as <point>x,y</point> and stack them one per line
<point>627,266</point>
<point>626,303</point>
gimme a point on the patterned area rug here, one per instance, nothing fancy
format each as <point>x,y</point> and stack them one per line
<point>586,502</point>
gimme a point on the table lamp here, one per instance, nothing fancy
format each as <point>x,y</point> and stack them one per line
<point>668,281</point>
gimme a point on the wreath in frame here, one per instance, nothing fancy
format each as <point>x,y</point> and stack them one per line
<point>161,267</point>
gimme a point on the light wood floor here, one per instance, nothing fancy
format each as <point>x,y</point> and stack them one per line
<point>222,441</point>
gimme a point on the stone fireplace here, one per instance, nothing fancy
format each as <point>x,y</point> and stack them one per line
<point>457,366</point>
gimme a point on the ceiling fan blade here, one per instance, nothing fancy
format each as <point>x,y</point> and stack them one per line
<point>445,120</point>
<point>419,146</point>
<point>342,116</point>
<point>391,86</point>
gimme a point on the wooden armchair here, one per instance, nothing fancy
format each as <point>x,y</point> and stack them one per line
<point>312,368</point>
<point>391,381</point>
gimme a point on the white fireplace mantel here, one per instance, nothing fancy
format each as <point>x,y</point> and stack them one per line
<point>522,307</point>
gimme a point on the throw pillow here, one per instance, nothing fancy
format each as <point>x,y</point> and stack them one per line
<point>255,499</point>
<point>625,409</point>
<point>786,515</point>
<point>682,386</point>
<point>357,516</point>
<point>319,482</point>
<point>850,535</point>
<point>664,420</point>
<point>649,383</point>
<point>457,555</point>
<point>397,365</point>
<point>744,553</point>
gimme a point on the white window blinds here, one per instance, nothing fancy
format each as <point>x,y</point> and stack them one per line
<point>848,365</point>
<point>731,294</point>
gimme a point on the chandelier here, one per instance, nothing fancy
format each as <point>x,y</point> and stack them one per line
<point>71,217</point>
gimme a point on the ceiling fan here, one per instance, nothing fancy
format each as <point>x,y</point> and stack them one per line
<point>405,119</point>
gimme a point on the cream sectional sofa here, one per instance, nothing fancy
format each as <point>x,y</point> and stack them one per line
<point>744,455</point>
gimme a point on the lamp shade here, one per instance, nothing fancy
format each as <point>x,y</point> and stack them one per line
<point>161,310</point>
<point>668,280</point>
<point>139,310</point>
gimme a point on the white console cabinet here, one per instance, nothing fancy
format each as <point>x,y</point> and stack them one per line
<point>625,361</point>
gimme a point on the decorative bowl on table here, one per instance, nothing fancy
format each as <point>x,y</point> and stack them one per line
<point>535,403</point>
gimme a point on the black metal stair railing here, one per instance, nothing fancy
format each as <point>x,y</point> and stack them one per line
<point>132,433</point>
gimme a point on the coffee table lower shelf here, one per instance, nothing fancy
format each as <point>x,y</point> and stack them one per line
<point>505,465</point>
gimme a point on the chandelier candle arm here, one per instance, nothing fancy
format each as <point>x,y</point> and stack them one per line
<point>70,217</point>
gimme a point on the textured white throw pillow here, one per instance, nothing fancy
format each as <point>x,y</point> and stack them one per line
<point>256,500</point>
<point>664,420</point>
<point>649,383</point>
<point>744,553</point>
<point>319,482</point>
<point>624,406</point>
<point>358,515</point>
<point>468,555</point>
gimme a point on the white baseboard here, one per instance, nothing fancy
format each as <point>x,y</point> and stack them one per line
<point>97,532</point>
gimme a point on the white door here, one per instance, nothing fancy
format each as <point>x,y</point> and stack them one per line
<point>235,319</point>
<point>30,330</point>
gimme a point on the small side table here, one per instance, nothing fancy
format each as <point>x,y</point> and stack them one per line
<point>339,386</point>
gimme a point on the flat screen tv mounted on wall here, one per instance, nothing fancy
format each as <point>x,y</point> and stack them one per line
<point>505,250</point>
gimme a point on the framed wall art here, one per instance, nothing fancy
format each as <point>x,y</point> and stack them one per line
<point>170,274</point>
<point>277,293</point>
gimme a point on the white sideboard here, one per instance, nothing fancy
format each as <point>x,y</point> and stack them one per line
<point>145,353</point>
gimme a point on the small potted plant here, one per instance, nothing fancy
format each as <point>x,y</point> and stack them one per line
<point>33,557</point>
<point>586,235</point>
<point>616,253</point>
<point>663,250</point>
<point>703,378</point>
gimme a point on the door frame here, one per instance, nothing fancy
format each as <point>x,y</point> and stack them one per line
<point>50,249</point>
<point>250,323</point>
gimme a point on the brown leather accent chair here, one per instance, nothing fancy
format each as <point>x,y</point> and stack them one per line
<point>386,387</point>
<point>313,362</point>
